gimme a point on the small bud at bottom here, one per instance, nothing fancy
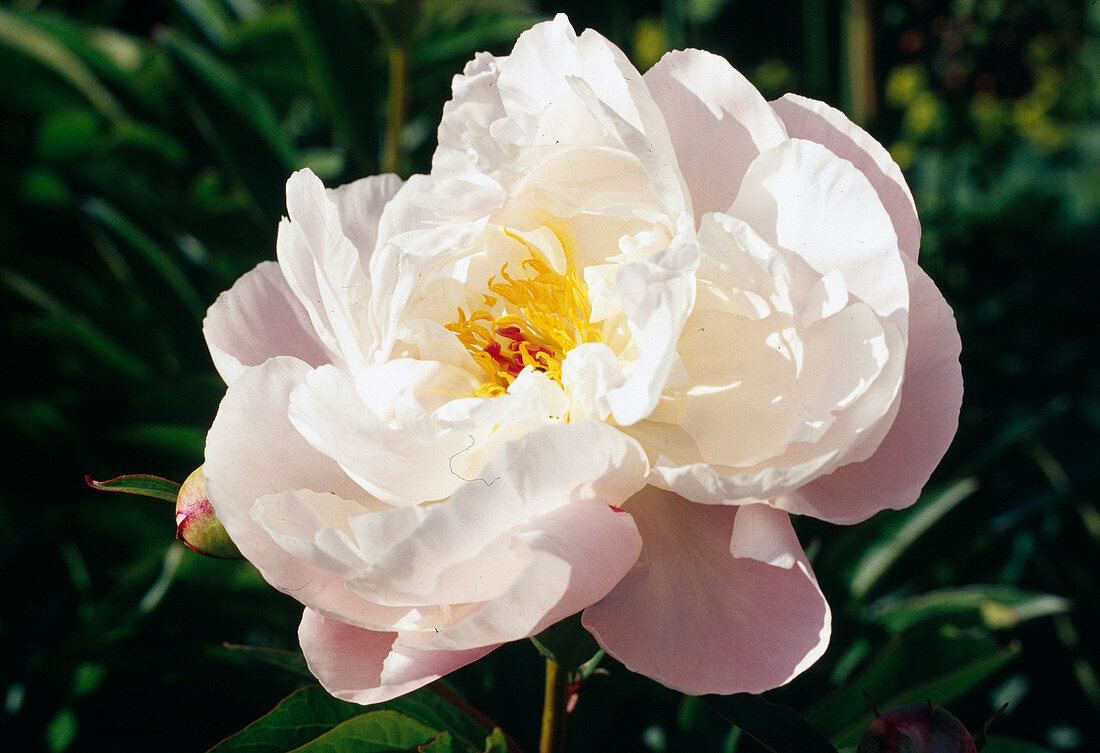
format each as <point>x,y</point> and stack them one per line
<point>916,728</point>
<point>196,524</point>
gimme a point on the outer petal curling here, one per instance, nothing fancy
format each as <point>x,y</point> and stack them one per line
<point>928,416</point>
<point>253,451</point>
<point>801,197</point>
<point>440,553</point>
<point>578,554</point>
<point>718,123</point>
<point>365,666</point>
<point>816,121</point>
<point>401,467</point>
<point>257,319</point>
<point>722,599</point>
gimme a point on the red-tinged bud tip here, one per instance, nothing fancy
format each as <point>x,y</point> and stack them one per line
<point>916,728</point>
<point>196,524</point>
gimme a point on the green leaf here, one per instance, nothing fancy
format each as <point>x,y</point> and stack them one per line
<point>919,666</point>
<point>116,57</point>
<point>438,706</point>
<point>159,259</point>
<point>186,441</point>
<point>995,606</point>
<point>891,534</point>
<point>496,742</point>
<point>292,661</point>
<point>778,728</point>
<point>238,122</point>
<point>43,186</point>
<point>147,486</point>
<point>438,45</point>
<point>311,717</point>
<point>62,322</point>
<point>566,643</point>
<point>61,731</point>
<point>341,51</point>
<point>298,719</point>
<point>375,732</point>
<point>68,133</point>
<point>442,744</point>
<point>222,82</point>
<point>134,134</point>
<point>212,19</point>
<point>18,33</point>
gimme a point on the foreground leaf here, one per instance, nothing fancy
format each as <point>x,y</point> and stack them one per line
<point>312,721</point>
<point>382,731</point>
<point>301,717</point>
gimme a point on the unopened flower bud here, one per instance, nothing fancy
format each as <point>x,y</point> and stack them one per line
<point>196,524</point>
<point>916,728</point>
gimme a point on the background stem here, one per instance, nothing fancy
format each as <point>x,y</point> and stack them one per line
<point>397,106</point>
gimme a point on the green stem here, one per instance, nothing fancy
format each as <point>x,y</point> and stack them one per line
<point>397,106</point>
<point>859,63</point>
<point>552,739</point>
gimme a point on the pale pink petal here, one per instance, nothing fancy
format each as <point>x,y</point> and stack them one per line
<point>399,466</point>
<point>817,122</point>
<point>722,599</point>
<point>475,545</point>
<point>326,271</point>
<point>256,319</point>
<point>364,666</point>
<point>658,297</point>
<point>548,57</point>
<point>578,554</point>
<point>802,197</point>
<point>252,451</point>
<point>463,133</point>
<point>931,394</point>
<point>718,122</point>
<point>359,205</point>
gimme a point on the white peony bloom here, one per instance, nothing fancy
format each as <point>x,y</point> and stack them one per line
<point>590,362</point>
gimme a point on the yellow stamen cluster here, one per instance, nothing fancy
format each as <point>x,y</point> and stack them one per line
<point>533,321</point>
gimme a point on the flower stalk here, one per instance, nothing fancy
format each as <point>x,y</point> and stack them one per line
<point>396,106</point>
<point>554,717</point>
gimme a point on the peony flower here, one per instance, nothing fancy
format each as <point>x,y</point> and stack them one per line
<point>592,361</point>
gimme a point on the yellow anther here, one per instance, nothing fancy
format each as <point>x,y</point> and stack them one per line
<point>526,322</point>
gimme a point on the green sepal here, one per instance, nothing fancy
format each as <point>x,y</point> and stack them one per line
<point>145,485</point>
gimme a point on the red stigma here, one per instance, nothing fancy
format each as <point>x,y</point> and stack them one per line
<point>513,361</point>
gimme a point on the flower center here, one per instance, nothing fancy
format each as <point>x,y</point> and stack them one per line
<point>533,321</point>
